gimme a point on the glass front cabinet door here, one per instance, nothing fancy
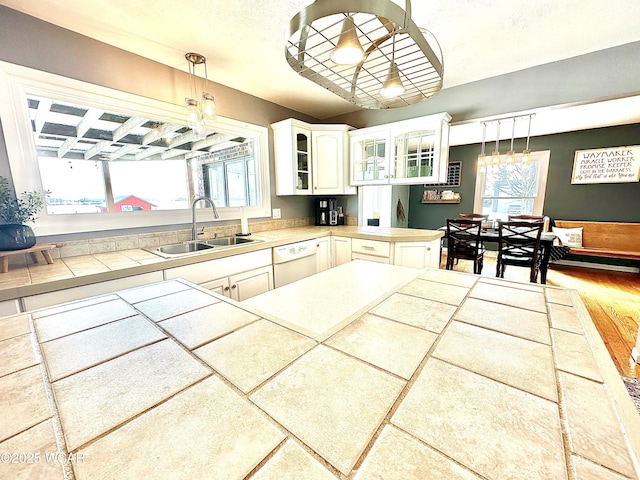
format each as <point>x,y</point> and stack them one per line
<point>311,159</point>
<point>292,145</point>
<point>421,150</point>
<point>369,156</point>
<point>408,152</point>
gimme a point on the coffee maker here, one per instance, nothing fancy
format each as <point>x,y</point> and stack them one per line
<point>326,211</point>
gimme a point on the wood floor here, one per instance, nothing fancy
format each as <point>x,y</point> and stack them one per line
<point>612,299</point>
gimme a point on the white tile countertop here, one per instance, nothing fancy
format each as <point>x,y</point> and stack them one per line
<point>427,374</point>
<point>82,270</point>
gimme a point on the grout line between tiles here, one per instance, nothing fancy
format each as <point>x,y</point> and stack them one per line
<point>141,413</point>
<point>61,443</point>
<point>264,461</point>
<point>562,411</point>
<point>431,447</point>
<point>288,434</point>
<point>409,383</point>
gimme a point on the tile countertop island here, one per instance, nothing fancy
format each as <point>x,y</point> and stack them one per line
<point>363,371</point>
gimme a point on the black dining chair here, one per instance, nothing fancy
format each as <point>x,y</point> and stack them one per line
<point>519,245</point>
<point>473,216</point>
<point>463,242</point>
<point>526,218</point>
<point>531,218</point>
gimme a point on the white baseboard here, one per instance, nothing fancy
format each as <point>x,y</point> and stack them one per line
<point>599,266</point>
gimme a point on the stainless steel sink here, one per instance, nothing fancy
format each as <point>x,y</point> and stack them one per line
<point>230,241</point>
<point>180,249</point>
<point>200,246</point>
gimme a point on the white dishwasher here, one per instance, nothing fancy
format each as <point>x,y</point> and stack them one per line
<point>294,261</point>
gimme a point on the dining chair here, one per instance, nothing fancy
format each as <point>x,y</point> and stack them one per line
<point>531,218</point>
<point>463,242</point>
<point>473,215</point>
<point>528,218</point>
<point>519,245</point>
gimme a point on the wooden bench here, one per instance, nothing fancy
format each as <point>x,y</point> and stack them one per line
<point>44,249</point>
<point>606,239</point>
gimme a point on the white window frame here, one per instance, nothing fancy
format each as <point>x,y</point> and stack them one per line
<point>542,160</point>
<point>17,82</point>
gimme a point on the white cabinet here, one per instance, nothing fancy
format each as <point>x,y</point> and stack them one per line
<point>323,254</point>
<point>340,250</point>
<point>373,250</point>
<point>237,276</point>
<point>417,254</point>
<point>243,285</point>
<point>406,254</point>
<point>369,156</point>
<point>219,286</point>
<point>311,159</point>
<point>408,152</point>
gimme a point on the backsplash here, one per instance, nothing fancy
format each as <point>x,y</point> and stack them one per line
<point>94,246</point>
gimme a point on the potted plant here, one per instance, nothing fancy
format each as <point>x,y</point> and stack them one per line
<point>14,234</point>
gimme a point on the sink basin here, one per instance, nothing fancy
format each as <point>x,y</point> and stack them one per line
<point>200,246</point>
<point>230,241</point>
<point>182,248</point>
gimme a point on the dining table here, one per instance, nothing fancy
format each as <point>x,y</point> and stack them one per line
<point>491,235</point>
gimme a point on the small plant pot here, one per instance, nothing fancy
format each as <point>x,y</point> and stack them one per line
<point>16,237</point>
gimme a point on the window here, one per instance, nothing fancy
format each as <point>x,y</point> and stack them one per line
<point>228,175</point>
<point>149,185</point>
<point>114,160</point>
<point>74,186</point>
<point>504,191</point>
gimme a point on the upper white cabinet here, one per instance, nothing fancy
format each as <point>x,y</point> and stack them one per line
<point>311,159</point>
<point>370,156</point>
<point>408,152</point>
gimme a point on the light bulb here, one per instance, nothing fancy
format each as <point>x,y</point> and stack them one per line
<point>349,50</point>
<point>208,106</point>
<point>509,161</point>
<point>193,112</point>
<point>526,159</point>
<point>199,131</point>
<point>481,163</point>
<point>392,86</point>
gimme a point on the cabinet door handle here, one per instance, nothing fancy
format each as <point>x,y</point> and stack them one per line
<point>234,285</point>
<point>368,247</point>
<point>226,289</point>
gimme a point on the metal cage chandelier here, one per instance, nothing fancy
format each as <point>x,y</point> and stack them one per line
<point>368,52</point>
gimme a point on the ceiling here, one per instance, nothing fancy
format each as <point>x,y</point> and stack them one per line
<point>244,40</point>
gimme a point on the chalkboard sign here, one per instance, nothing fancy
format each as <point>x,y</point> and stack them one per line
<point>607,165</point>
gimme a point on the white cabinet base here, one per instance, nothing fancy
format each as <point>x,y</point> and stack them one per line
<point>417,254</point>
<point>340,250</point>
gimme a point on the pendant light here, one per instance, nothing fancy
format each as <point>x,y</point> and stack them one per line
<point>526,153</point>
<point>392,86</point>
<point>495,156</point>
<point>482,161</point>
<point>510,154</point>
<point>199,110</point>
<point>349,50</point>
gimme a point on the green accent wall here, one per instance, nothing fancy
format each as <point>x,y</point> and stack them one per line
<point>617,202</point>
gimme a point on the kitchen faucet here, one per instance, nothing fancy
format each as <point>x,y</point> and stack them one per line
<point>196,199</point>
